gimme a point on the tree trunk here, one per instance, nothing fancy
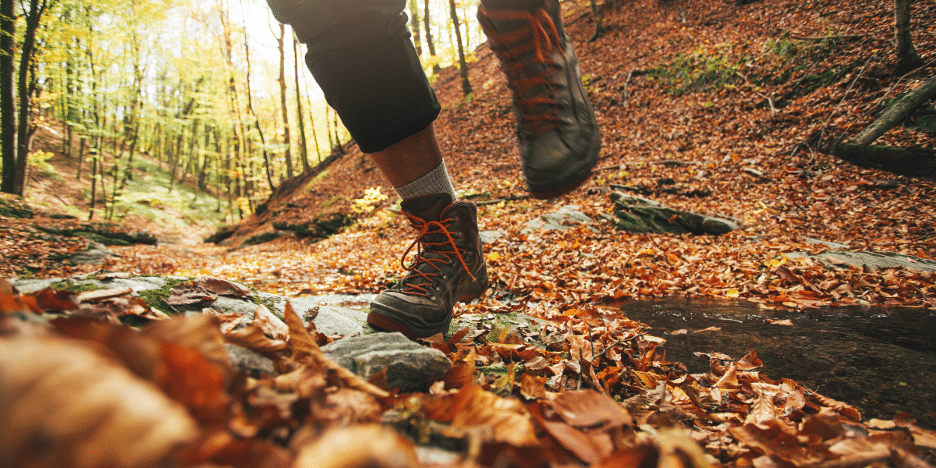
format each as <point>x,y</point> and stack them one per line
<point>25,96</point>
<point>128,173</point>
<point>907,57</point>
<point>596,17</point>
<point>898,112</point>
<point>175,157</point>
<point>81,156</point>
<point>414,25</point>
<point>911,162</point>
<point>281,46</point>
<point>463,64</point>
<point>318,151</point>
<point>432,52</point>
<point>303,143</point>
<point>331,140</point>
<point>250,108</point>
<point>7,105</point>
<point>94,179</point>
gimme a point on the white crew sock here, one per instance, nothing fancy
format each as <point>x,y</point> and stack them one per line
<point>436,181</point>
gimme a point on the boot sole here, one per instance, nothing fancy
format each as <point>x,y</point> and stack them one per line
<point>386,323</point>
<point>594,151</point>
<point>548,195</point>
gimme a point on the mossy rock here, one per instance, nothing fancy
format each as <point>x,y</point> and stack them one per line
<point>14,207</point>
<point>265,237</point>
<point>103,233</point>
<point>321,227</point>
<point>222,235</point>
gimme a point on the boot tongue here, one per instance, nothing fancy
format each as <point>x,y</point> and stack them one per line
<point>427,207</point>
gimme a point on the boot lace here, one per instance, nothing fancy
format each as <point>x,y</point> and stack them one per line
<point>427,229</point>
<point>516,49</point>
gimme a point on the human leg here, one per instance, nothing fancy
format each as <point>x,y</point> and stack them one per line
<point>556,126</point>
<point>361,56</point>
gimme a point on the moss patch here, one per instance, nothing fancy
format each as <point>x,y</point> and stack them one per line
<point>14,207</point>
<point>74,286</point>
<point>156,298</point>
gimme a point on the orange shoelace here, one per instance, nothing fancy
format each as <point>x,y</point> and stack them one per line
<point>533,42</point>
<point>425,230</point>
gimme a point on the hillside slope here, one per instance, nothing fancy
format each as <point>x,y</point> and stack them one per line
<point>727,102</point>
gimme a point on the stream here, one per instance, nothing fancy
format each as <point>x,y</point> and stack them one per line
<point>880,360</point>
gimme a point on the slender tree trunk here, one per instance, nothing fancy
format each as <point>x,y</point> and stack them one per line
<point>432,52</point>
<point>281,46</point>
<point>331,141</point>
<point>94,179</point>
<point>176,157</point>
<point>318,151</point>
<point>337,137</point>
<point>596,17</point>
<point>7,104</point>
<point>303,143</point>
<point>128,173</point>
<point>81,157</point>
<point>250,108</point>
<point>414,25</point>
<point>463,64</point>
<point>907,57</point>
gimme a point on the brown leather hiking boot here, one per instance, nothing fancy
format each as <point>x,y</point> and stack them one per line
<point>556,126</point>
<point>448,267</point>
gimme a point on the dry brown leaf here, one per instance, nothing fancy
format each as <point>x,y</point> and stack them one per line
<point>189,293</point>
<point>82,409</point>
<point>589,447</point>
<point>253,338</point>
<point>50,300</point>
<point>300,341</point>
<point>473,409</point>
<point>590,409</point>
<point>750,361</point>
<point>199,332</point>
<point>269,323</point>
<point>365,446</point>
<point>222,287</point>
<point>101,294</point>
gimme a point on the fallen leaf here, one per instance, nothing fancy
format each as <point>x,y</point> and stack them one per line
<point>84,410</point>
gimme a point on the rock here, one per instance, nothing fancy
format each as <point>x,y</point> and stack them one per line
<point>872,260</point>
<point>489,237</point>
<point>410,367</point>
<point>329,320</point>
<point>251,362</point>
<point>96,254</point>
<point>27,286</point>
<point>639,214</point>
<point>564,218</point>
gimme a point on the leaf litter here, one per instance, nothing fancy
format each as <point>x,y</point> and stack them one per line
<point>597,391</point>
<point>312,412</point>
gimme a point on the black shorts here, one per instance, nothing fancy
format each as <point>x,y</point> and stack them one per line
<point>361,55</point>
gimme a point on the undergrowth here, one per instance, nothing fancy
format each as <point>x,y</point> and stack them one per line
<point>789,62</point>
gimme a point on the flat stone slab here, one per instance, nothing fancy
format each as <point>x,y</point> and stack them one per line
<point>410,366</point>
<point>873,260</point>
<point>330,320</point>
<point>562,219</point>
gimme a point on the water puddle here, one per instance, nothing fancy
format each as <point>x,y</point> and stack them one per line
<point>881,360</point>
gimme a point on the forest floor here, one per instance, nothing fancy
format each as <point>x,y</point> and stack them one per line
<point>725,102</point>
<point>731,113</point>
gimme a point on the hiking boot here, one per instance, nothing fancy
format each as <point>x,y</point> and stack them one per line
<point>556,126</point>
<point>448,267</point>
